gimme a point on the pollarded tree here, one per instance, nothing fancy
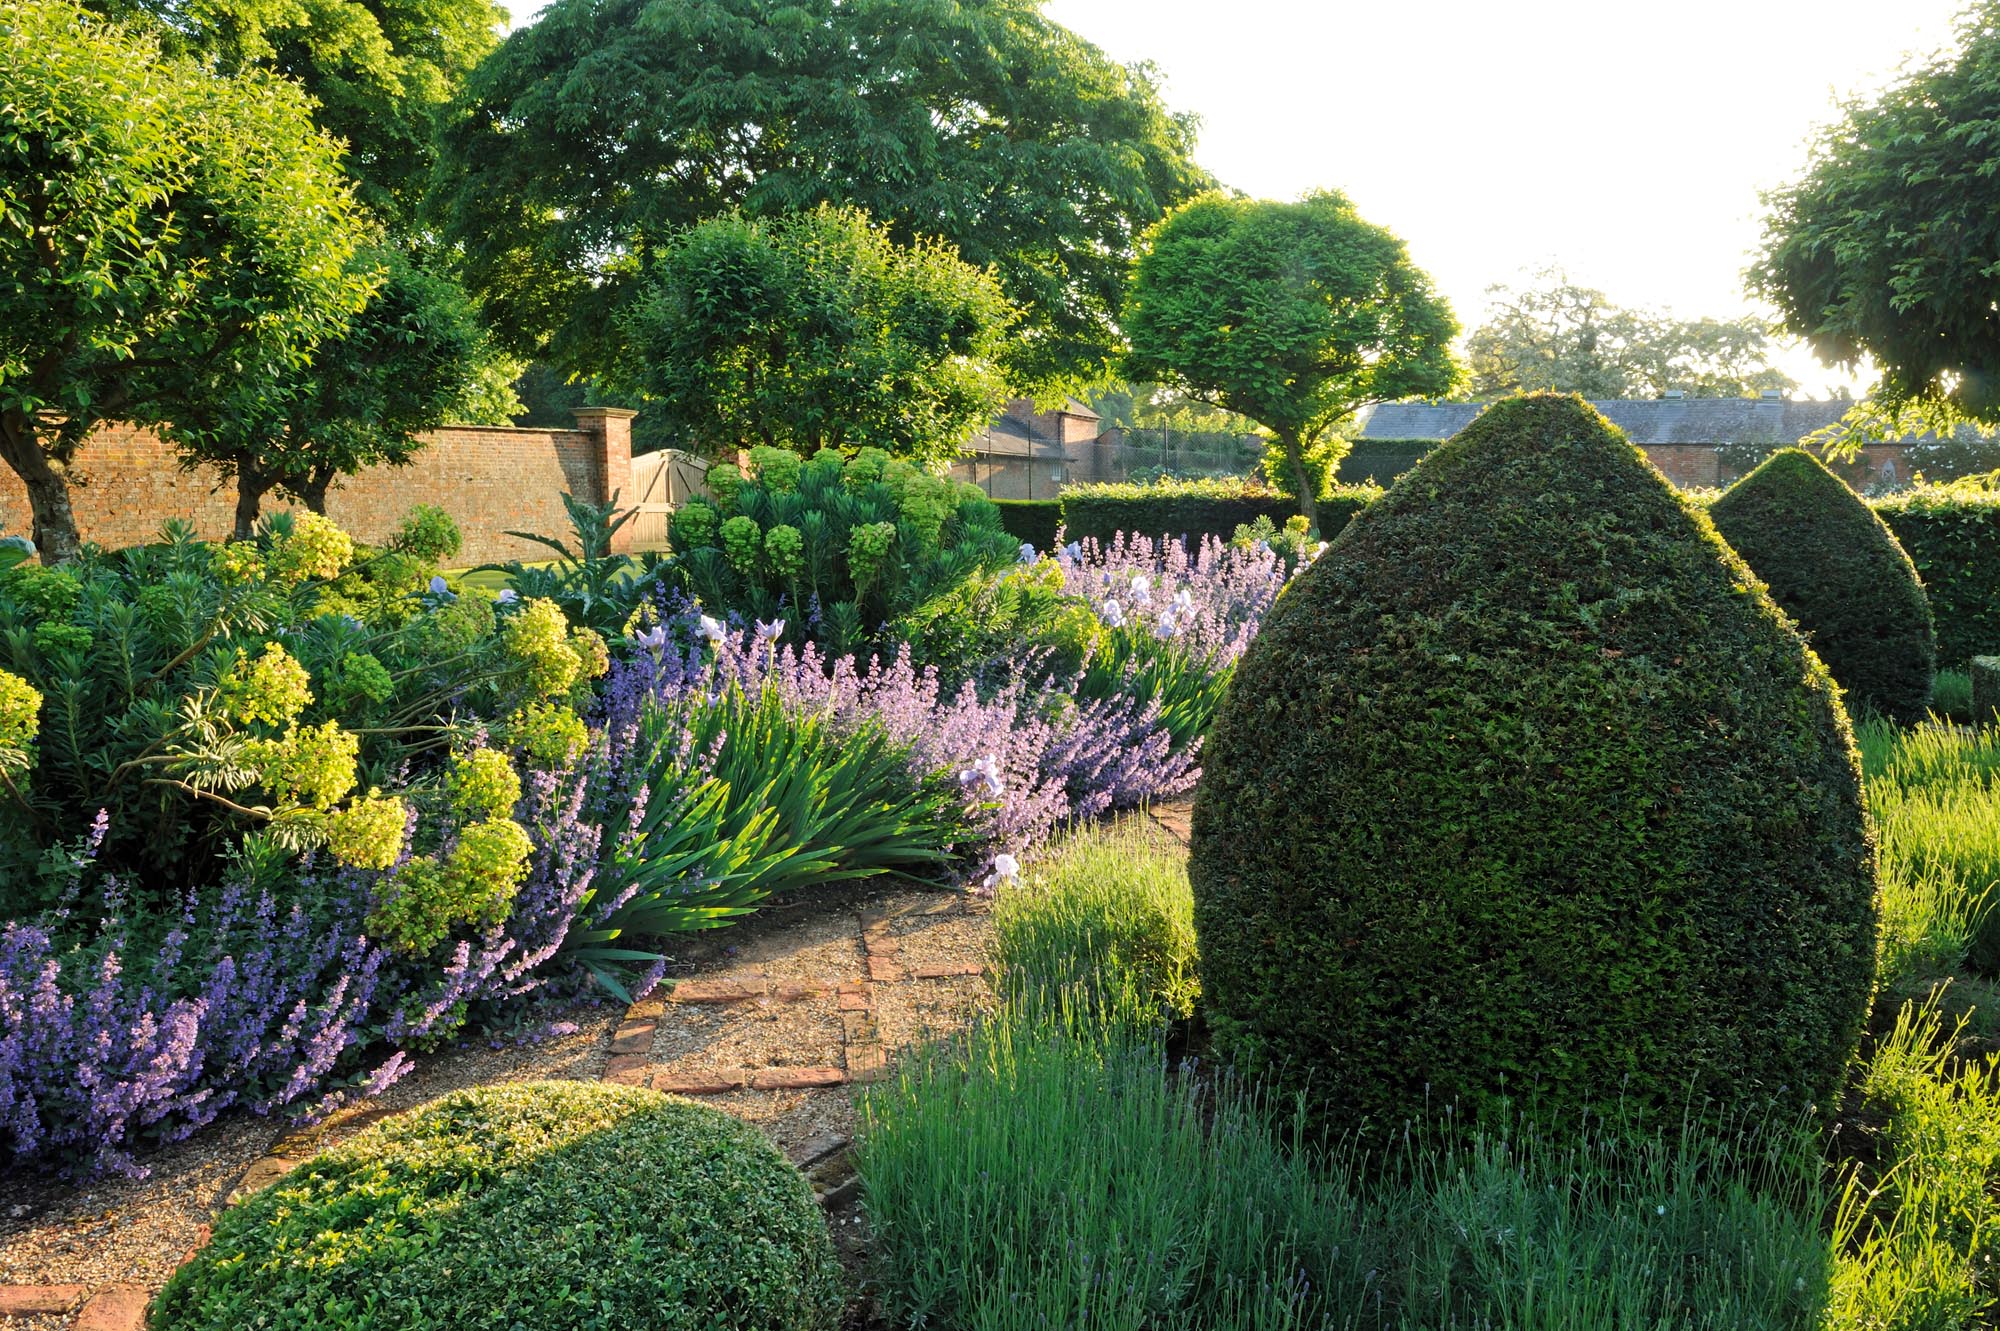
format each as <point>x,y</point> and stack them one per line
<point>1837,570</point>
<point>1292,314</point>
<point>413,359</point>
<point>158,226</point>
<point>1887,248</point>
<point>817,330</point>
<point>595,135</point>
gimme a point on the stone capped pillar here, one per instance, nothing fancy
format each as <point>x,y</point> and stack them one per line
<point>609,430</point>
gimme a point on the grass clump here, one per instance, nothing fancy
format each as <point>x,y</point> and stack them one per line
<point>1103,925</point>
<point>1041,1174</point>
<point>1932,791</point>
<point>550,1205</point>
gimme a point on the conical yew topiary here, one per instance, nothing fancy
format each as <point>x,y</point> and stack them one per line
<point>1526,790</point>
<point>1833,566</point>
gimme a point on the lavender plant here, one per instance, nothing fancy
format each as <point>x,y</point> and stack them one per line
<point>1024,756</point>
<point>267,994</point>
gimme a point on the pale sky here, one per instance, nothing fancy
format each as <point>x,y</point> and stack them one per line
<point>1625,141</point>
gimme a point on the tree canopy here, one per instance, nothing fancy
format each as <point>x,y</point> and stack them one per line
<point>411,360</point>
<point>1556,335</point>
<point>1292,314</point>
<point>595,135</point>
<point>1888,245</point>
<point>380,73</point>
<point>816,330</point>
<point>159,226</point>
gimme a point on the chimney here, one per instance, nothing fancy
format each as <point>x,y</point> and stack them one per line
<point>1674,394</point>
<point>1772,395</point>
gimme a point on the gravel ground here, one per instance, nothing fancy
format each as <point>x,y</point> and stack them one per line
<point>113,1230</point>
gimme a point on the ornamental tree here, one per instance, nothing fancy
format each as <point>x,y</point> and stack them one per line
<point>1292,314</point>
<point>817,331</point>
<point>594,136</point>
<point>412,359</point>
<point>380,73</point>
<point>1887,247</point>
<point>159,227</point>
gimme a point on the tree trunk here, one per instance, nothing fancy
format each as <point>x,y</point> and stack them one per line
<point>1295,457</point>
<point>312,490</point>
<point>251,487</point>
<point>47,483</point>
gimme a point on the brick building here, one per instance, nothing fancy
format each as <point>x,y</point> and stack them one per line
<point>1030,454</point>
<point>1682,435</point>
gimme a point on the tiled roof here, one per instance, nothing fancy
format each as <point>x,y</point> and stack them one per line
<point>1689,420</point>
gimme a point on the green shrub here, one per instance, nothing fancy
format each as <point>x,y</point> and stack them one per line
<point>1525,789</point>
<point>549,1205</point>
<point>1833,566</point>
<point>1952,534</point>
<point>1381,461</point>
<point>203,696</point>
<point>994,617</point>
<point>1035,521</point>
<point>875,538</point>
<point>1102,925</point>
<point>1194,509</point>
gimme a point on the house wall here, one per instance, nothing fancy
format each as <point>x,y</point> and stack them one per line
<point>128,482</point>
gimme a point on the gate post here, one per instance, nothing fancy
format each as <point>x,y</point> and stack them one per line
<point>609,430</point>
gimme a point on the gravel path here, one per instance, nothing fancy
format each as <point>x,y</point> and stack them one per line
<point>781,1016</point>
<point>113,1230</point>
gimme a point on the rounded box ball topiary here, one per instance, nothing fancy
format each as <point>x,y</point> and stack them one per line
<point>1526,792</point>
<point>549,1205</point>
<point>1833,566</point>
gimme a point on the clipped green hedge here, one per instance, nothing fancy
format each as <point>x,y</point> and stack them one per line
<point>552,1205</point>
<point>1035,521</point>
<point>1833,566</point>
<point>1381,461</point>
<point>1526,790</point>
<point>1952,534</point>
<point>1196,508</point>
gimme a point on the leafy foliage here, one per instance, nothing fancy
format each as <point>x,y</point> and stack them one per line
<point>547,1204</point>
<point>194,696</point>
<point>595,588</point>
<point>816,330</point>
<point>1583,829</point>
<point>1554,334</point>
<point>160,226</point>
<point>1884,247</point>
<point>1292,314</point>
<point>380,73</point>
<point>1830,564</point>
<point>598,133</point>
<point>411,360</point>
<point>833,549</point>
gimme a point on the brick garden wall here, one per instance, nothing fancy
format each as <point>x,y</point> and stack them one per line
<point>490,480</point>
